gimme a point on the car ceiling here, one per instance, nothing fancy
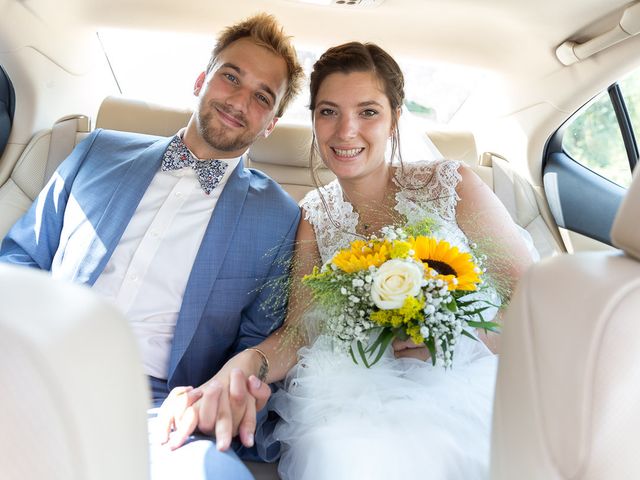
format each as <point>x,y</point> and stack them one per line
<point>514,37</point>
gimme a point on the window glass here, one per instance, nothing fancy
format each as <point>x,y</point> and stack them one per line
<point>161,67</point>
<point>630,87</point>
<point>593,139</point>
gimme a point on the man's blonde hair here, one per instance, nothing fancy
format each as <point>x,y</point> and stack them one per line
<point>265,31</point>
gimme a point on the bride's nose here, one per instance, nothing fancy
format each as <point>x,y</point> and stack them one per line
<point>347,127</point>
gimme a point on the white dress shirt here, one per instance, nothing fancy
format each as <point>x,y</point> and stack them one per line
<point>148,272</point>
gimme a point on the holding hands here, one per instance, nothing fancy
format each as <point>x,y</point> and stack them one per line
<point>223,407</point>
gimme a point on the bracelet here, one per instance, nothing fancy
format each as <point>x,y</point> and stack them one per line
<point>264,365</point>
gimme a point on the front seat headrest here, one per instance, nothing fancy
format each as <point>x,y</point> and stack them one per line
<point>7,108</point>
<point>625,233</point>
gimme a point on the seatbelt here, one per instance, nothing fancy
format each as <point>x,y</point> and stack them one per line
<point>62,143</point>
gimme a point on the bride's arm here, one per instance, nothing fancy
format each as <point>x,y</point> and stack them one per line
<point>226,405</point>
<point>486,222</point>
<point>281,346</point>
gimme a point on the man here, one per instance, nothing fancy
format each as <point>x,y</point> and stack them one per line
<point>189,249</point>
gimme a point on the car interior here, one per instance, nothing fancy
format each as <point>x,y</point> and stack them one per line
<point>558,105</point>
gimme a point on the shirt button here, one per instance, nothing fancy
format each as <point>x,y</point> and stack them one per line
<point>133,277</point>
<point>155,234</point>
<point>179,194</point>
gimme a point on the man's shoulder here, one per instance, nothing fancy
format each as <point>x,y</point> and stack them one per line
<point>262,183</point>
<point>118,139</point>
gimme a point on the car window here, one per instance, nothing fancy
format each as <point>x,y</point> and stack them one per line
<point>435,92</point>
<point>593,139</point>
<point>630,87</point>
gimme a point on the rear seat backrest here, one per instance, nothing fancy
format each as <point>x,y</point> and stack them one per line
<point>284,156</point>
<point>35,166</point>
<point>129,115</point>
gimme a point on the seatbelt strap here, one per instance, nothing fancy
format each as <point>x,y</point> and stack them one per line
<point>63,141</point>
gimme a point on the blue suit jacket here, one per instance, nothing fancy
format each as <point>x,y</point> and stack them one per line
<point>79,217</point>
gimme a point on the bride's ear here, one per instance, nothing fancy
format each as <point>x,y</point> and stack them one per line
<point>394,124</point>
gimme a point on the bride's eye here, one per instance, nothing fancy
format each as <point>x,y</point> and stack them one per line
<point>325,112</point>
<point>369,112</point>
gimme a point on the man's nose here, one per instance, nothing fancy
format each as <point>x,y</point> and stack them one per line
<point>239,100</point>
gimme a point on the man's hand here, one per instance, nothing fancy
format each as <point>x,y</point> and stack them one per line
<point>408,348</point>
<point>230,409</point>
<point>178,416</point>
<point>224,406</point>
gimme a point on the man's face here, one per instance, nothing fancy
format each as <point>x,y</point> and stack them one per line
<point>238,98</point>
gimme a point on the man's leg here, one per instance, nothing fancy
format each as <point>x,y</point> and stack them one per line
<point>197,459</point>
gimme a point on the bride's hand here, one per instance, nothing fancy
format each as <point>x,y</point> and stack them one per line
<point>407,348</point>
<point>224,406</point>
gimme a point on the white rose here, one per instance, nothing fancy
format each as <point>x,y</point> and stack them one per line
<point>394,281</point>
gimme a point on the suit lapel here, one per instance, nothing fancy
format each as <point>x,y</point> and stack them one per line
<point>123,203</point>
<point>210,257</point>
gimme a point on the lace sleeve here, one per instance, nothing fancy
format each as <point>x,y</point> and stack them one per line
<point>333,220</point>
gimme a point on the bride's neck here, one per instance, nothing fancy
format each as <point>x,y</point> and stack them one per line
<point>365,192</point>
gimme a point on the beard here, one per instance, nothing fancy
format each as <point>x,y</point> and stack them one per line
<point>219,136</point>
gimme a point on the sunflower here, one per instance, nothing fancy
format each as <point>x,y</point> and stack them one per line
<point>449,263</point>
<point>361,255</point>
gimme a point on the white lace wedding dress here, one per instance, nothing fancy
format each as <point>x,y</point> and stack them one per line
<point>402,418</point>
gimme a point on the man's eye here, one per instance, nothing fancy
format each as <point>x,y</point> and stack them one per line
<point>326,112</point>
<point>263,99</point>
<point>231,77</point>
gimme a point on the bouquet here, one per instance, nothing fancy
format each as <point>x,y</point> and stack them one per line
<point>402,284</point>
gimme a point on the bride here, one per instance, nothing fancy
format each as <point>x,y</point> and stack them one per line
<point>403,417</point>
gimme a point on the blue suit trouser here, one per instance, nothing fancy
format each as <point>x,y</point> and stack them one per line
<point>197,459</point>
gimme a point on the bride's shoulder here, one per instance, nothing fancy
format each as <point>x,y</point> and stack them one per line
<point>423,173</point>
<point>316,201</point>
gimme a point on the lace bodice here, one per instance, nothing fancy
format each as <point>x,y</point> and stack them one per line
<point>426,189</point>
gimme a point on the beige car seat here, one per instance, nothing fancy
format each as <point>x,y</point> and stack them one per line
<point>72,390</point>
<point>568,385</point>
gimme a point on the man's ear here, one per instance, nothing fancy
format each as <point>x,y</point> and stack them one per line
<point>270,127</point>
<point>199,83</point>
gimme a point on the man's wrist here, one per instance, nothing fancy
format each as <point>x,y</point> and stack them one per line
<point>263,369</point>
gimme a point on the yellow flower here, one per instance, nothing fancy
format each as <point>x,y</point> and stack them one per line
<point>410,311</point>
<point>449,263</point>
<point>414,333</point>
<point>361,255</point>
<point>400,249</point>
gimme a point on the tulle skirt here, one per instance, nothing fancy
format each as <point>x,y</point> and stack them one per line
<point>400,419</point>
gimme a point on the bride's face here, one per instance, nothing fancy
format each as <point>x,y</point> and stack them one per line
<point>352,123</point>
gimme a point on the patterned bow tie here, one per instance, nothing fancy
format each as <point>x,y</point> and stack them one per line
<point>209,172</point>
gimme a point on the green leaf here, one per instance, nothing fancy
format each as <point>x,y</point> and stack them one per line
<point>431,346</point>
<point>377,341</point>
<point>491,326</point>
<point>353,356</point>
<point>452,306</point>
<point>363,354</point>
<point>387,338</point>
<point>467,334</point>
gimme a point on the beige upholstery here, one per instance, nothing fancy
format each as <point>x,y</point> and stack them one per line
<point>130,115</point>
<point>33,168</point>
<point>569,377</point>
<point>523,203</point>
<point>283,156</point>
<point>74,396</point>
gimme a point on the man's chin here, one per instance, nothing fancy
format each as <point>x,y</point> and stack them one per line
<point>223,142</point>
